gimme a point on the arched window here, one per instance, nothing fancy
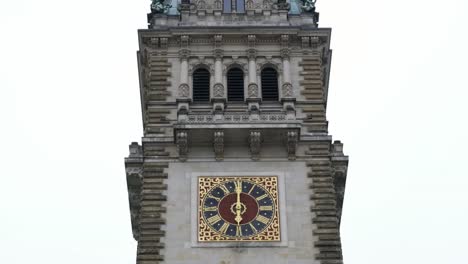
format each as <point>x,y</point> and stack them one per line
<point>201,85</point>
<point>269,79</point>
<point>233,6</point>
<point>235,84</point>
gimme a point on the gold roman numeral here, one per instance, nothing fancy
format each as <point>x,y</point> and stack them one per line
<point>265,208</point>
<point>262,197</point>
<point>238,230</point>
<point>213,197</point>
<point>262,219</point>
<point>225,189</point>
<point>212,209</point>
<point>251,189</point>
<point>253,227</point>
<point>214,219</point>
<point>224,228</point>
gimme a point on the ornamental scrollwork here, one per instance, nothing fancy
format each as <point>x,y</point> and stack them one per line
<point>287,90</point>
<point>238,64</point>
<point>184,90</point>
<point>252,90</point>
<point>218,90</point>
<point>269,63</point>
<point>197,64</point>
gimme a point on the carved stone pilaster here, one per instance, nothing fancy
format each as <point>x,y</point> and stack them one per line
<point>292,138</point>
<point>218,144</point>
<point>182,144</point>
<point>255,143</point>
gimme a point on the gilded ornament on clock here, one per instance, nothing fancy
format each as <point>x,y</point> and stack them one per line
<point>238,209</point>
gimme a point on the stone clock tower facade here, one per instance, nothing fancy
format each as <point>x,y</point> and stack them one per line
<point>236,164</point>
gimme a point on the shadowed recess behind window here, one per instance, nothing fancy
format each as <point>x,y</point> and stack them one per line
<point>269,84</point>
<point>201,85</point>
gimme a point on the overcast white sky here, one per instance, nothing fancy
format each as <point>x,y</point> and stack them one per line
<point>69,107</point>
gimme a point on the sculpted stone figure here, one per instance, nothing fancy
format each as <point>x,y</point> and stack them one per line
<point>309,5</point>
<point>158,7</point>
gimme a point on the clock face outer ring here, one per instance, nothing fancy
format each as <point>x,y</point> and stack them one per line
<point>257,206</point>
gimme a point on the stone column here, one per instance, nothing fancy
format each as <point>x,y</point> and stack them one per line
<point>219,95</point>
<point>253,96</point>
<point>287,93</point>
<point>183,97</point>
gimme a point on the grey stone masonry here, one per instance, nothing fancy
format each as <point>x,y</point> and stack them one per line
<point>285,136</point>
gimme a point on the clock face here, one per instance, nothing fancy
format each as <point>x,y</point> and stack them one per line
<point>238,209</point>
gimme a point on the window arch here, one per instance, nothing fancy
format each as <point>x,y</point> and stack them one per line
<point>235,85</point>
<point>233,6</point>
<point>269,78</point>
<point>201,85</point>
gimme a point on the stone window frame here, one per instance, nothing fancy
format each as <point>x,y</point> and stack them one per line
<point>244,68</point>
<point>200,65</point>
<point>279,70</point>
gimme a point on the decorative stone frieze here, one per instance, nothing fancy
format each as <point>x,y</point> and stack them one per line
<point>218,144</point>
<point>255,143</point>
<point>238,118</point>
<point>182,144</point>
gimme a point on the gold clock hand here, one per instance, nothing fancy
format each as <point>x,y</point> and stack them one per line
<point>238,202</point>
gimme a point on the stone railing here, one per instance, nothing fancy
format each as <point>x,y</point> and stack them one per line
<point>237,118</point>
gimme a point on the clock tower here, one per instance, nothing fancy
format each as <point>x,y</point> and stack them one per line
<point>236,164</point>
